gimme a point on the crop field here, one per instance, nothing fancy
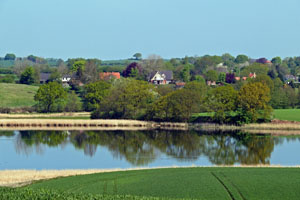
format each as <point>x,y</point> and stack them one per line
<point>287,114</point>
<point>185,183</point>
<point>17,95</point>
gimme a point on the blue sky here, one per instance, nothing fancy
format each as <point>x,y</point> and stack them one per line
<point>113,29</point>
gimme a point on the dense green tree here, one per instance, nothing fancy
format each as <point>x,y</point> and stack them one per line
<point>27,77</point>
<point>253,103</point>
<point>10,56</point>
<point>241,59</point>
<point>199,78</point>
<point>276,61</point>
<point>201,64</point>
<point>185,73</point>
<point>222,101</point>
<point>180,104</point>
<point>128,99</point>
<point>49,96</point>
<point>257,68</point>
<point>211,75</point>
<point>94,94</point>
<point>222,77</point>
<point>78,67</point>
<point>137,56</point>
<point>265,80</point>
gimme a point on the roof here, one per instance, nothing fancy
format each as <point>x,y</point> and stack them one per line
<point>168,74</point>
<point>44,76</point>
<point>180,84</point>
<point>108,75</point>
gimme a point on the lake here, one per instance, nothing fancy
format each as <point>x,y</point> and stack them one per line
<point>129,149</point>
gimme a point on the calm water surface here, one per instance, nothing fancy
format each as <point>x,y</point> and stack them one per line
<point>126,149</point>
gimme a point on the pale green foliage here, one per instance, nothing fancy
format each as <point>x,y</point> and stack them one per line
<point>253,102</point>
<point>49,96</point>
<point>73,103</point>
<point>259,69</point>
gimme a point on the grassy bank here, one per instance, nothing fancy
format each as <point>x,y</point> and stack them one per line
<point>287,114</point>
<point>188,183</point>
<point>17,95</point>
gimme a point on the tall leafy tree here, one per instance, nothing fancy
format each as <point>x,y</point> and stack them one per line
<point>27,77</point>
<point>94,94</point>
<point>222,101</point>
<point>253,103</point>
<point>128,99</point>
<point>137,56</point>
<point>49,96</point>
<point>211,75</point>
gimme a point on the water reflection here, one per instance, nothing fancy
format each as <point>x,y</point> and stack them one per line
<point>143,148</point>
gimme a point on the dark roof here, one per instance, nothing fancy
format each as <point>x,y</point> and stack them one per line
<point>44,76</point>
<point>168,74</point>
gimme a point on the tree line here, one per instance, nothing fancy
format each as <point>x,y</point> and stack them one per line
<point>132,97</point>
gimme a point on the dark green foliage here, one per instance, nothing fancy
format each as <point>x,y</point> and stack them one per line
<point>27,77</point>
<point>241,59</point>
<point>185,73</point>
<point>137,56</point>
<point>50,97</point>
<point>276,61</point>
<point>10,56</point>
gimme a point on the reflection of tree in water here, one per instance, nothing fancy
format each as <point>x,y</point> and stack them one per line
<point>26,141</point>
<point>142,148</point>
<point>131,145</point>
<point>7,133</point>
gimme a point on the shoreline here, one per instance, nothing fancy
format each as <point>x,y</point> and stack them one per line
<point>19,178</point>
<point>273,128</point>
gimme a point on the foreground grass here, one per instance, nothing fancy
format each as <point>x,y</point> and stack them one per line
<point>29,194</point>
<point>17,95</point>
<point>287,114</point>
<point>188,183</point>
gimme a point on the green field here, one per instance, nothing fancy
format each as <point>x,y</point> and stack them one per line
<point>287,114</point>
<point>17,95</point>
<point>185,183</point>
